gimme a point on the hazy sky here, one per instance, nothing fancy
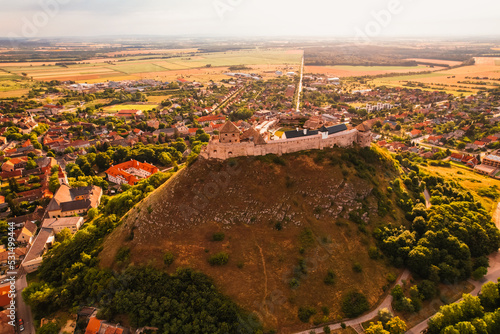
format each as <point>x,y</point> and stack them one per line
<point>442,18</point>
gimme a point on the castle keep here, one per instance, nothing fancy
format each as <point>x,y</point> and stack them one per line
<point>231,143</point>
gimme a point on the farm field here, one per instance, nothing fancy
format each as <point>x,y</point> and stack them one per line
<point>449,79</point>
<point>353,71</point>
<point>203,67</point>
<point>118,107</point>
<point>436,61</point>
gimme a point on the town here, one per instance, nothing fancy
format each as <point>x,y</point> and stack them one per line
<point>71,149</point>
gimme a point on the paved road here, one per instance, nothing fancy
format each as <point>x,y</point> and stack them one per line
<point>427,199</point>
<point>23,310</point>
<point>299,91</point>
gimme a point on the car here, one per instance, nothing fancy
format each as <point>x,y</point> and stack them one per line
<point>21,328</point>
<point>20,321</point>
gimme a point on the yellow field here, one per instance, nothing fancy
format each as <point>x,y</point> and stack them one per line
<point>437,61</point>
<point>448,79</point>
<point>201,67</point>
<point>469,180</point>
<point>356,71</point>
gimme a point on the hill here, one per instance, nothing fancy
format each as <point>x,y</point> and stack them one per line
<point>277,234</point>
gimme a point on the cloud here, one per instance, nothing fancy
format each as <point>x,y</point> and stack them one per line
<point>250,17</point>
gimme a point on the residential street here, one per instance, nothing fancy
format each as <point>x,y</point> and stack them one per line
<point>23,310</point>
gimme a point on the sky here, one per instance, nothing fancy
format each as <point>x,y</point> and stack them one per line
<point>250,18</point>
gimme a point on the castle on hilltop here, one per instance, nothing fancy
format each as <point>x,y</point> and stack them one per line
<point>232,143</point>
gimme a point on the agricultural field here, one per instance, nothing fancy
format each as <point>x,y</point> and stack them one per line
<point>448,80</point>
<point>355,71</point>
<point>202,67</point>
<point>437,61</point>
<point>118,107</point>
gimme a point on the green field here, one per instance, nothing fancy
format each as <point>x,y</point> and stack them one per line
<point>118,107</point>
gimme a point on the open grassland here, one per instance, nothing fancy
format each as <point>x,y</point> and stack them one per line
<point>202,67</point>
<point>354,71</point>
<point>468,180</point>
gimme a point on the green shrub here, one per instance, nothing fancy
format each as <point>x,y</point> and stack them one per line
<point>123,254</point>
<point>168,258</point>
<point>357,267</point>
<point>479,273</point>
<point>330,277</point>
<point>305,313</point>
<point>219,259</point>
<point>354,304</point>
<point>219,236</point>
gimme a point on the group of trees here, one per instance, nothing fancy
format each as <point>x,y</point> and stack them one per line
<point>446,242</point>
<point>387,324</point>
<point>478,315</point>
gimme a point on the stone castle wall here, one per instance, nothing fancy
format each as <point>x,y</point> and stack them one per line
<point>223,151</point>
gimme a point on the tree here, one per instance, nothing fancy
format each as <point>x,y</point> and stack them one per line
<point>354,304</point>
<point>490,295</point>
<point>376,328</point>
<point>384,315</point>
<point>396,326</point>
<point>31,164</point>
<point>65,234</point>
<point>54,183</point>
<point>103,161</point>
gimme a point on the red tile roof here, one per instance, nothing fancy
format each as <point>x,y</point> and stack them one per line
<point>93,326</point>
<point>120,170</point>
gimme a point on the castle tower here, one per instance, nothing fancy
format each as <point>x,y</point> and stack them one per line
<point>364,135</point>
<point>229,133</point>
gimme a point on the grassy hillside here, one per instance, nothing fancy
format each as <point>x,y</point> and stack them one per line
<point>283,225</point>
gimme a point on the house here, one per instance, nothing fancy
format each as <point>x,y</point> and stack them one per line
<point>43,242</point>
<point>456,157</point>
<point>69,201</point>
<point>435,140</point>
<point>217,119</point>
<point>415,133</point>
<point>130,172</point>
<point>479,144</point>
<point>27,233</point>
<point>15,164</point>
<point>45,239</point>
<point>153,123</point>
<point>96,326</point>
<point>492,160</point>
<point>19,255</point>
<point>58,224</point>
<point>129,113</point>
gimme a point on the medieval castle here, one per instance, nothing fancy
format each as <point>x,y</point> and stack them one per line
<point>231,143</point>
